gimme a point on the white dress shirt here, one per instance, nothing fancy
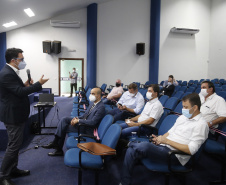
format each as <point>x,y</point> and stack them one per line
<point>115,91</point>
<point>153,109</point>
<point>15,69</point>
<point>213,107</point>
<point>136,102</point>
<point>192,132</point>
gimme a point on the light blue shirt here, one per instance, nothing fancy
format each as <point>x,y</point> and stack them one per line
<point>166,83</point>
<point>136,103</point>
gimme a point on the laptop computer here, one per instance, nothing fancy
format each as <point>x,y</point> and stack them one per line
<point>46,99</point>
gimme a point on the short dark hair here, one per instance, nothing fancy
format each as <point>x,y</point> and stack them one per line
<point>12,53</point>
<point>194,99</point>
<point>155,88</point>
<point>210,84</point>
<point>171,76</point>
<point>132,86</point>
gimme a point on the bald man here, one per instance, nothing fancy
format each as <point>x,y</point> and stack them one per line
<point>115,93</point>
<point>92,116</point>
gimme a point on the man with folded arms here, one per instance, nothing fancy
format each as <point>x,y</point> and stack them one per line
<point>92,116</point>
<point>150,115</point>
<point>187,135</point>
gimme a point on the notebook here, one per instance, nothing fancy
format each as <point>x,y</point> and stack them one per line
<point>46,99</point>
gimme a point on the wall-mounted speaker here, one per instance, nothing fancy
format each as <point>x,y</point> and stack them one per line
<point>140,49</point>
<point>56,47</point>
<point>46,45</point>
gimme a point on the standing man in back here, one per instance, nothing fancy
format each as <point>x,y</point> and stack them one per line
<point>14,111</point>
<point>73,76</point>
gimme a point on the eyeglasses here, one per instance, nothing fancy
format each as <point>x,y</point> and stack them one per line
<point>22,59</point>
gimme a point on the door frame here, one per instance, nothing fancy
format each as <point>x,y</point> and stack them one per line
<point>59,70</point>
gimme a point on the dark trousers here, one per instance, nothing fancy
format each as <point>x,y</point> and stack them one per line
<point>15,140</point>
<point>137,151</point>
<point>75,87</point>
<point>121,114</point>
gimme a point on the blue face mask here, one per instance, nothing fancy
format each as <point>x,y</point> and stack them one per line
<point>186,113</point>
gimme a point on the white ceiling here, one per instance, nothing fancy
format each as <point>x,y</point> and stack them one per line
<point>13,10</point>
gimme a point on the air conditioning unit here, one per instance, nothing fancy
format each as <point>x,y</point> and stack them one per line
<point>65,24</point>
<point>184,30</point>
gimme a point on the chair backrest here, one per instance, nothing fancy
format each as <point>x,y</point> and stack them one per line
<point>183,88</point>
<point>190,82</point>
<point>163,99</point>
<point>178,94</point>
<point>103,87</point>
<point>171,103</point>
<point>86,88</point>
<point>185,94</point>
<point>112,136</point>
<point>167,123</point>
<point>143,92</point>
<point>177,88</point>
<point>179,108</point>
<point>190,89</point>
<point>161,83</point>
<point>164,114</point>
<point>197,90</point>
<point>179,82</point>
<point>218,89</point>
<point>105,123</point>
<point>196,81</point>
<point>224,87</point>
<point>222,94</point>
<point>184,83</point>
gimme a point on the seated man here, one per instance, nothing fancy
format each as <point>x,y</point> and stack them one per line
<point>150,115</point>
<point>168,89</point>
<point>115,93</point>
<point>92,116</point>
<point>213,107</point>
<point>166,82</point>
<point>129,105</point>
<point>187,135</point>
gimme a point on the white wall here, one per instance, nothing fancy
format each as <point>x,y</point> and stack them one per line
<point>184,56</point>
<point>217,63</point>
<point>30,38</point>
<point>122,24</point>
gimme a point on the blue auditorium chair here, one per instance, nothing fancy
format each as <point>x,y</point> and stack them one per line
<point>223,87</point>
<point>185,94</point>
<point>194,85</point>
<point>217,148</point>
<point>218,89</point>
<point>178,108</point>
<point>82,90</point>
<point>182,88</point>
<point>221,81</point>
<point>178,94</point>
<point>177,88</point>
<point>105,123</point>
<point>163,99</point>
<point>222,94</point>
<point>190,89</point>
<point>197,90</point>
<point>82,160</point>
<point>190,82</point>
<point>184,83</point>
<point>168,168</point>
<point>179,82</point>
<point>170,104</point>
<point>200,81</point>
<point>196,81</point>
<point>103,87</point>
<point>161,83</point>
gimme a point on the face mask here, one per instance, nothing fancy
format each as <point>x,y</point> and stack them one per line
<point>22,65</point>
<point>117,84</point>
<point>204,92</point>
<point>73,70</point>
<point>149,95</point>
<point>186,113</point>
<point>132,95</point>
<point>92,98</point>
<point>169,83</point>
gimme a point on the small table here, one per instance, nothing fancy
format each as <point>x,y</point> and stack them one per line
<point>42,107</point>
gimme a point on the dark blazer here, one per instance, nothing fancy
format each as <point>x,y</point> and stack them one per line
<point>94,116</point>
<point>14,102</point>
<point>168,90</point>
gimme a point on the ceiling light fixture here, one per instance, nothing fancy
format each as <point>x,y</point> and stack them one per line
<point>9,24</point>
<point>29,12</point>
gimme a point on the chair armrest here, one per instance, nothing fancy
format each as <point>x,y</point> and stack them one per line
<point>153,129</point>
<point>177,113</point>
<point>80,137</point>
<point>173,152</point>
<point>83,125</point>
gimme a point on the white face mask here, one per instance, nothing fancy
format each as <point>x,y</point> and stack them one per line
<point>92,98</point>
<point>22,65</point>
<point>169,83</point>
<point>73,70</point>
<point>204,92</point>
<point>149,95</point>
<point>131,94</point>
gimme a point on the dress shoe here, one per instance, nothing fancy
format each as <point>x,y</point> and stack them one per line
<point>6,182</point>
<point>57,152</point>
<point>50,145</point>
<point>19,173</point>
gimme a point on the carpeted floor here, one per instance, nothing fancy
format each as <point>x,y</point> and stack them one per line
<point>47,170</point>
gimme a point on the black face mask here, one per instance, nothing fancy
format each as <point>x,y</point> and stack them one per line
<point>117,84</point>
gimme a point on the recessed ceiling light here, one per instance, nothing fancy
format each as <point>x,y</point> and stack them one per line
<point>9,24</point>
<point>29,12</point>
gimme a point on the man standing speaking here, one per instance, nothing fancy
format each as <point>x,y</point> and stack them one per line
<point>14,111</point>
<point>73,76</point>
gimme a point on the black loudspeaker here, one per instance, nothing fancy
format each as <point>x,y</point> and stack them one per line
<point>46,46</point>
<point>56,47</point>
<point>140,48</point>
